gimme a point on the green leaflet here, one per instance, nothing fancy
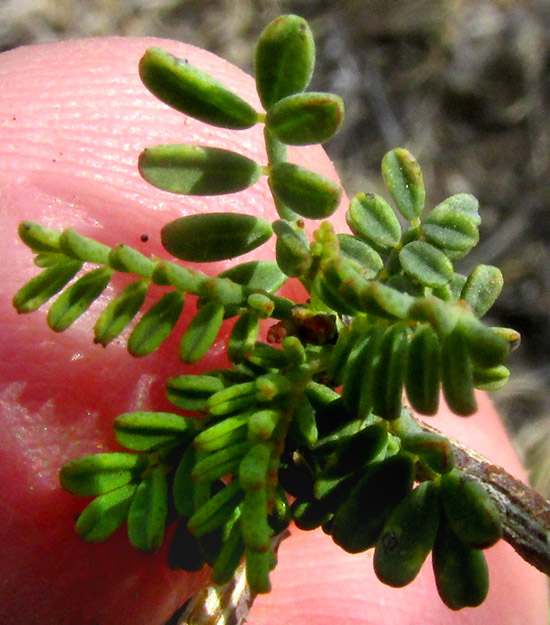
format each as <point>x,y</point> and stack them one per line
<point>243,336</point>
<point>223,434</point>
<point>193,92</point>
<point>47,259</point>
<point>45,285</point>
<point>258,566</point>
<point>220,463</point>
<point>191,392</point>
<point>233,399</point>
<point>217,510</point>
<point>230,556</point>
<point>262,424</point>
<point>284,59</point>
<point>292,248</point>
<point>487,348</point>
<point>148,511</point>
<point>359,521</point>
<point>257,274</point>
<point>461,573</point>
<point>403,177</point>
<point>254,467</point>
<point>144,431</point>
<point>372,219</point>
<point>408,536</point>
<point>96,474</point>
<point>306,118</point>
<point>214,236</point>
<point>422,377</point>
<point>197,170</point>
<point>183,485</point>
<point>457,374</point>
<point>254,525</point>
<point>452,231</point>
<point>492,378</point>
<point>482,288</point>
<point>156,325</point>
<point>39,238</point>
<point>470,511</point>
<point>384,301</point>
<point>355,451</point>
<point>426,263</point>
<point>357,386</point>
<point>83,248</point>
<point>389,373</point>
<point>434,449</point>
<point>119,312</point>
<point>360,252</point>
<point>184,279</point>
<point>75,300</point>
<point>201,332</point>
<point>307,193</point>
<point>461,203</point>
<point>126,259</point>
<point>303,428</point>
<point>105,514</point>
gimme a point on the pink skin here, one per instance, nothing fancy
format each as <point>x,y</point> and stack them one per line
<point>74,117</point>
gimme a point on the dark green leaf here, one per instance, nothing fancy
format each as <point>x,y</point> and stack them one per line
<point>292,248</point>
<point>39,238</point>
<point>450,231</point>
<point>426,263</point>
<point>144,431</point>
<point>457,374</point>
<point>214,236</point>
<point>105,514</point>
<point>191,392</point>
<point>372,219</point>
<point>193,92</point>
<point>76,300</point>
<point>353,248</point>
<point>408,536</point>
<point>148,511</point>
<point>197,170</point>
<point>422,379</point>
<point>307,193</point>
<point>461,203</point>
<point>120,312</point>
<point>201,332</point>
<point>403,177</point>
<point>45,285</point>
<point>217,510</point>
<point>156,325</point>
<point>243,336</point>
<point>482,288</point>
<point>96,474</point>
<point>284,59</point>
<point>262,275</point>
<point>306,118</point>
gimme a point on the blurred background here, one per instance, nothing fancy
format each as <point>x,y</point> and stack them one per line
<point>463,84</point>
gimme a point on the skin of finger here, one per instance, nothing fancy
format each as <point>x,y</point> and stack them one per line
<point>304,591</point>
<point>74,119</point>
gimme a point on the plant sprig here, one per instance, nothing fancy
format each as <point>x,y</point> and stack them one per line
<point>314,413</point>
